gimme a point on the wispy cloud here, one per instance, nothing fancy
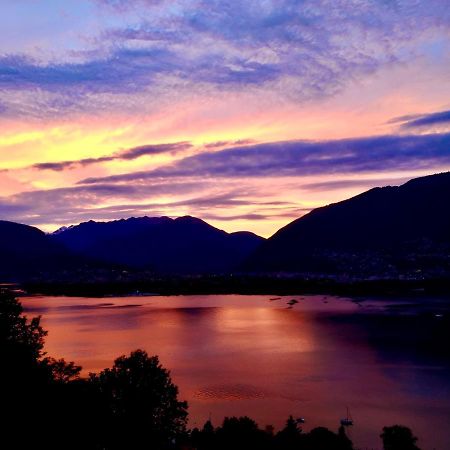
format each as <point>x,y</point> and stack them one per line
<point>122,5</point>
<point>237,143</point>
<point>129,154</point>
<point>301,50</point>
<point>346,183</point>
<point>205,184</point>
<point>300,158</point>
<point>75,204</point>
<point>423,120</point>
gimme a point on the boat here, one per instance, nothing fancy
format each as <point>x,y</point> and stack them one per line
<point>347,421</point>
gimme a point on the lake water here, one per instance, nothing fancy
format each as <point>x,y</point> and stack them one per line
<point>388,361</point>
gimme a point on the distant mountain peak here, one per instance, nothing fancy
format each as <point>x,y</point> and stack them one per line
<point>189,219</point>
<point>62,229</point>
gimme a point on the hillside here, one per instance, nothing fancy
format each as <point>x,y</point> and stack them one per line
<point>385,231</point>
<point>26,251</point>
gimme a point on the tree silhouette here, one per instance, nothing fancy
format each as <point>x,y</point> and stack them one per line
<point>31,392</point>
<point>62,371</point>
<point>344,441</point>
<point>204,439</point>
<point>21,339</point>
<point>398,437</point>
<point>290,437</point>
<point>241,433</point>
<point>141,402</point>
<point>321,438</point>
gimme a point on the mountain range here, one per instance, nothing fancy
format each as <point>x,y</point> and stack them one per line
<point>160,244</point>
<point>388,231</point>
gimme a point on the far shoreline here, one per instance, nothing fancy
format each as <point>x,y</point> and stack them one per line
<point>238,285</point>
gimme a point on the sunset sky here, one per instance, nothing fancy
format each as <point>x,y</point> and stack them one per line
<point>244,113</point>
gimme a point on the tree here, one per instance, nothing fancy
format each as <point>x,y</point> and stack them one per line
<point>34,389</point>
<point>241,433</point>
<point>321,438</point>
<point>133,403</point>
<point>141,403</point>
<point>61,371</point>
<point>398,437</point>
<point>344,441</point>
<point>21,340</point>
<point>204,439</point>
<point>290,436</point>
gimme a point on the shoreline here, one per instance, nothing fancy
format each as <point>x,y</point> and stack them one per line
<point>240,285</point>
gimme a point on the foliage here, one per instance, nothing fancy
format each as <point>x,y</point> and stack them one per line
<point>398,437</point>
<point>17,333</point>
<point>290,437</point>
<point>141,400</point>
<point>244,433</point>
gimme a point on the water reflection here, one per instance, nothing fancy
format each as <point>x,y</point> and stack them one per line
<point>236,355</point>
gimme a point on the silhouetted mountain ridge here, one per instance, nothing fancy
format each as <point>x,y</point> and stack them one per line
<point>161,244</point>
<point>381,231</point>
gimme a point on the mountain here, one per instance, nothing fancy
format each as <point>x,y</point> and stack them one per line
<point>26,251</point>
<point>392,232</point>
<point>161,244</point>
<point>384,231</point>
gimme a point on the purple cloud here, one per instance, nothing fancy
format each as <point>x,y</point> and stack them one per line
<point>423,120</point>
<point>299,158</point>
<point>144,150</point>
<point>239,142</point>
<point>361,183</point>
<point>129,154</point>
<point>76,204</point>
<point>299,50</point>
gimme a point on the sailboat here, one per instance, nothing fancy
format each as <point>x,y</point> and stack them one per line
<point>347,421</point>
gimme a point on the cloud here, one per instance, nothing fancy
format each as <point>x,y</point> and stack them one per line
<point>3,108</point>
<point>123,70</point>
<point>423,120</point>
<point>300,158</point>
<point>129,154</point>
<point>71,205</point>
<point>234,183</point>
<point>77,203</point>
<point>63,165</point>
<point>298,50</point>
<point>345,184</point>
<point>220,144</point>
<point>289,213</point>
<point>144,150</point>
<point>223,218</point>
<point>122,5</point>
<point>107,201</point>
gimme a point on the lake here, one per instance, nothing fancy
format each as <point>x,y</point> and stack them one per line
<point>387,360</point>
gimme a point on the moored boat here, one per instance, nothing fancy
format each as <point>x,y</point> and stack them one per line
<point>348,420</point>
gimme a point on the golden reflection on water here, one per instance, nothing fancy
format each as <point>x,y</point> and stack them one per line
<point>247,355</point>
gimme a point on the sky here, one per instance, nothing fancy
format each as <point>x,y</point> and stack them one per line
<point>247,114</point>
